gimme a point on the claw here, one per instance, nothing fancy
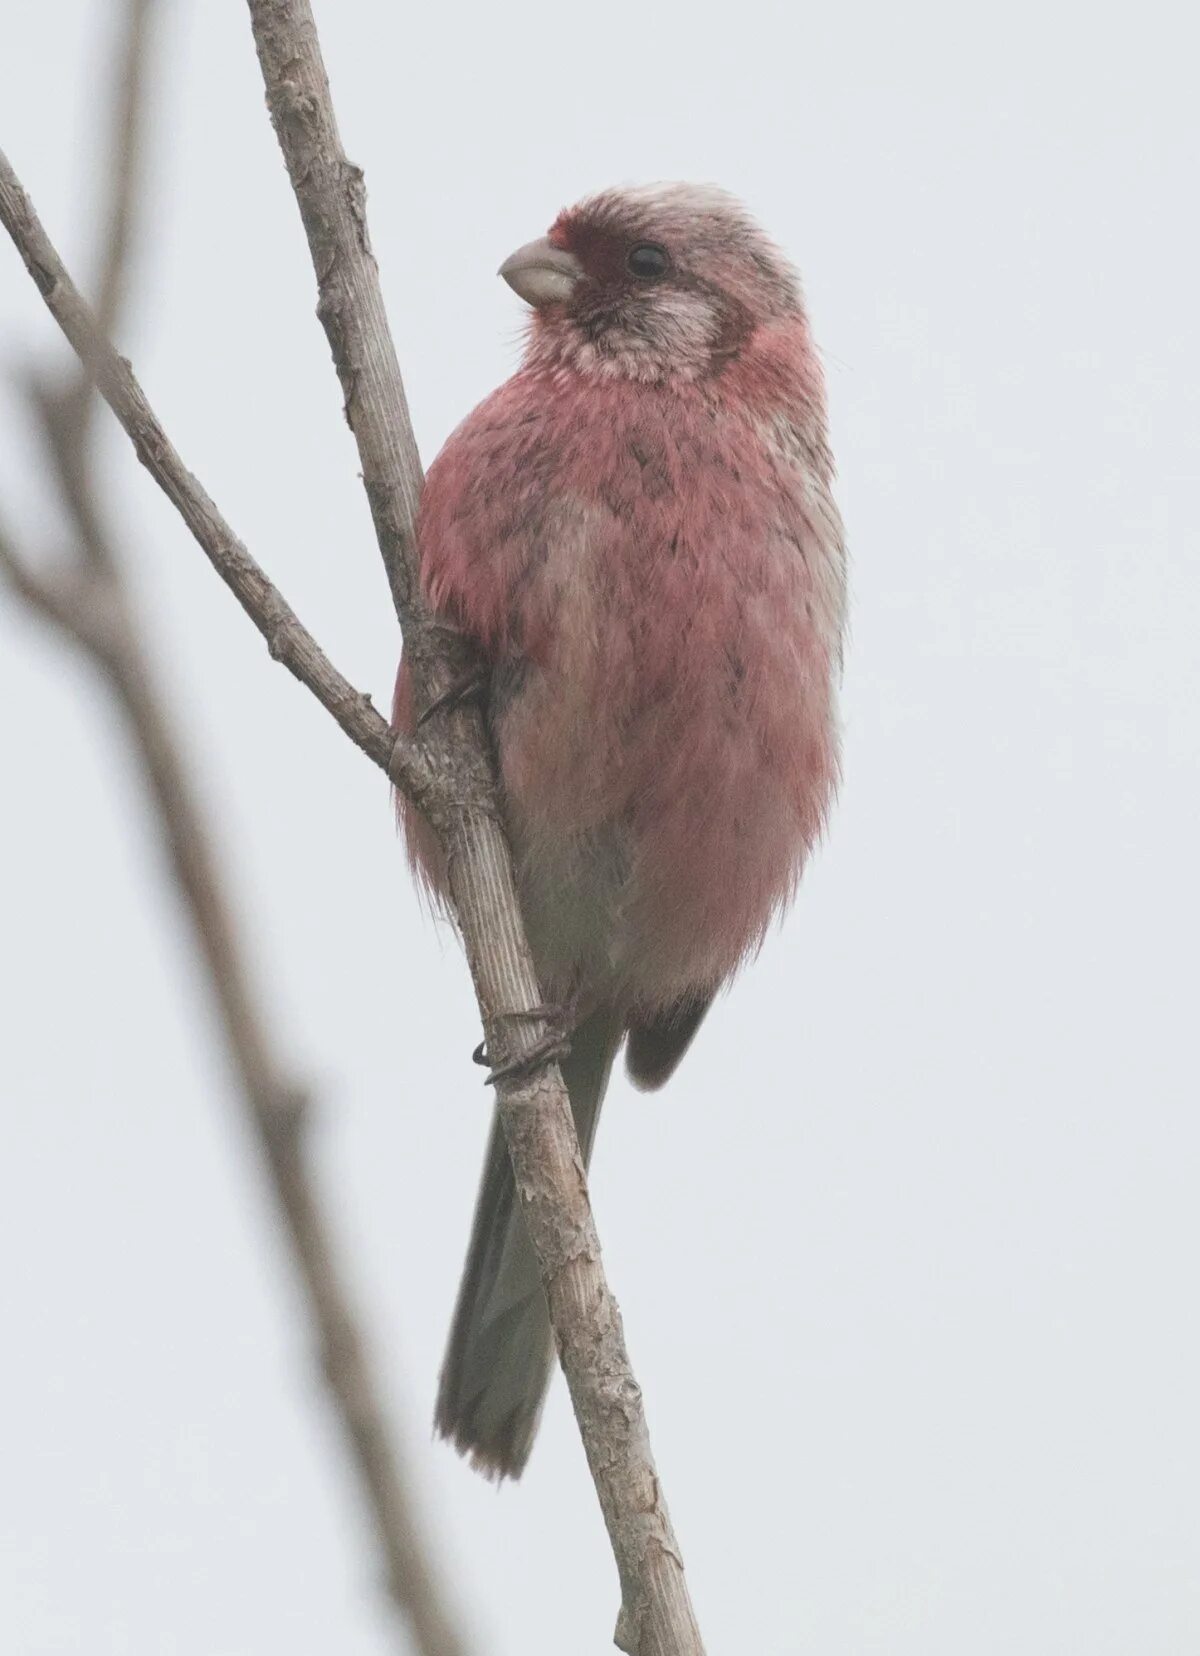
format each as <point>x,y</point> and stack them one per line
<point>553,1045</point>
<point>462,690</point>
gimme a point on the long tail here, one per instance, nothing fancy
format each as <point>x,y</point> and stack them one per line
<point>500,1351</point>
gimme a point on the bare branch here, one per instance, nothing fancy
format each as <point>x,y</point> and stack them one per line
<point>656,1615</point>
<point>451,780</point>
<point>287,640</point>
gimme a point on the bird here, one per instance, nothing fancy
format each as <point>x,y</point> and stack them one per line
<point>638,534</point>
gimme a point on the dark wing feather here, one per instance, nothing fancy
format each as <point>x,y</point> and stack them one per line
<point>657,1044</point>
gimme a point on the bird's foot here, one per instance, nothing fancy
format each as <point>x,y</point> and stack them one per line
<point>555,1043</point>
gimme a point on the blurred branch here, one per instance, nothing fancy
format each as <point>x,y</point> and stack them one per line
<point>449,775</point>
<point>67,411</point>
<point>94,611</point>
<point>87,598</point>
<point>138,19</point>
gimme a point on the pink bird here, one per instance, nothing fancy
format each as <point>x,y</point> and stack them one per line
<point>638,532</point>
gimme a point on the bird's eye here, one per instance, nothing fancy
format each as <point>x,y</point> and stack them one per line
<point>647,261</point>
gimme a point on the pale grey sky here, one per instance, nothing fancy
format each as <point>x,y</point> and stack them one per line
<point>909,1252</point>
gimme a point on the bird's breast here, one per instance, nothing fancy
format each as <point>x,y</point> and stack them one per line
<point>665,705</point>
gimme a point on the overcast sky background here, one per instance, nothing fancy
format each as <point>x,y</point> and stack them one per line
<point>909,1252</point>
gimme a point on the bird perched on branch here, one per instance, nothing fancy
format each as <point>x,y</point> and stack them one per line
<point>637,532</point>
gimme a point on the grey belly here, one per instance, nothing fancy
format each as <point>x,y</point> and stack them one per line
<point>574,894</point>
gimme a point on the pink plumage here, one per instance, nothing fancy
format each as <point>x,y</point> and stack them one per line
<point>638,530</point>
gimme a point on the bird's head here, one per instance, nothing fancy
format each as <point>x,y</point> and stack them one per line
<point>659,282</point>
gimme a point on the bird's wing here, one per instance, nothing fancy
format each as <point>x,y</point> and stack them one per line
<point>657,1044</point>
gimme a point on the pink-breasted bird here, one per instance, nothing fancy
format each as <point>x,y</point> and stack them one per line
<point>638,532</point>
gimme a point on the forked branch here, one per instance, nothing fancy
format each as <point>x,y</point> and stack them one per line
<point>448,774</point>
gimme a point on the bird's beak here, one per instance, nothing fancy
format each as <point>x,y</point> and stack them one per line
<point>541,274</point>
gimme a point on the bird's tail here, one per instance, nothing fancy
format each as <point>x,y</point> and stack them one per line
<point>500,1351</point>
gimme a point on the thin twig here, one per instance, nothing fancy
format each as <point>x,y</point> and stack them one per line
<point>88,599</point>
<point>287,640</point>
<point>449,777</point>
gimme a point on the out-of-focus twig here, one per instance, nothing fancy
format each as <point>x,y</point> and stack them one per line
<point>94,611</point>
<point>124,171</point>
<point>75,400</point>
<point>88,599</point>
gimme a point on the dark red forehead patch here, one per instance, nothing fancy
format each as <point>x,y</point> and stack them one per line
<point>600,247</point>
